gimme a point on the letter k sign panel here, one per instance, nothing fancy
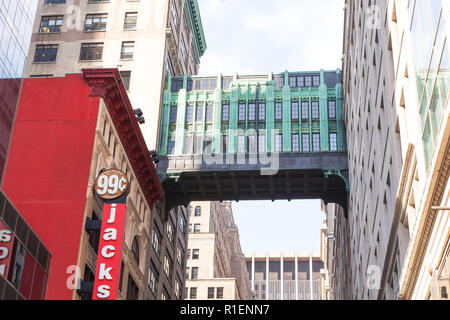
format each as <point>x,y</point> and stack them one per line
<point>109,260</point>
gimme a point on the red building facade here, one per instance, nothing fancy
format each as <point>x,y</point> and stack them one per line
<point>59,144</point>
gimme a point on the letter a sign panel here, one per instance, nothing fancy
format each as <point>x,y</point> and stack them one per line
<point>109,185</point>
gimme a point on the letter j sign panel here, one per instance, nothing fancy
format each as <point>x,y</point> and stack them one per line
<point>109,260</point>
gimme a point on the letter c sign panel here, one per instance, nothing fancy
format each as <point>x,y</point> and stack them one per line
<point>109,260</point>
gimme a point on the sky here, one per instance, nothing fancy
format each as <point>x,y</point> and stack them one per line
<point>258,37</point>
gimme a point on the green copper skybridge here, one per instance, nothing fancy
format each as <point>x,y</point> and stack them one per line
<point>249,137</point>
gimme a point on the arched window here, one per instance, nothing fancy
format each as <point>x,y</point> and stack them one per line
<point>198,211</point>
<point>135,249</point>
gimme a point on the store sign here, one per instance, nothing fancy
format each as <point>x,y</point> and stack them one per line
<point>109,260</point>
<point>111,184</point>
<point>6,246</point>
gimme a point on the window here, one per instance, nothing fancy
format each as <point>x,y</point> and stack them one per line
<point>261,111</point>
<point>262,142</point>
<point>295,142</point>
<point>241,144</point>
<point>305,110</point>
<point>167,266</point>
<point>170,234</point>
<point>251,112</point>
<point>293,82</point>
<point>127,51</point>
<point>94,235</point>
<point>152,280</point>
<point>315,110</point>
<point>241,112</point>
<point>295,111</point>
<point>333,142</point>
<point>305,142</point>
<point>198,211</point>
<point>156,241</point>
<point>316,142</point>
<point>130,22</point>
<point>279,81</point>
<point>180,256</point>
<point>220,293</point>
<point>331,109</point>
<point>135,250</point>
<point>301,82</point>
<point>95,22</point>
<point>190,114</point>
<point>278,111</point>
<point>173,114</point>
<point>51,24</point>
<point>316,81</point>
<point>55,1</point>
<point>211,293</point>
<point>209,112</point>
<point>126,79</point>
<point>194,273</point>
<point>91,51</point>
<point>182,225</point>
<point>198,144</point>
<point>183,52</point>
<point>199,114</point>
<point>46,53</point>
<point>196,227</point>
<point>193,293</point>
<point>225,113</point>
<point>173,11</point>
<point>278,142</point>
<point>171,145</point>
<point>133,290</point>
<point>308,81</point>
<point>195,254</point>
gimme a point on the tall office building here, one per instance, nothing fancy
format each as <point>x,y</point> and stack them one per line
<point>16,23</point>
<point>216,267</point>
<point>396,83</point>
<point>146,40</point>
<point>285,276</point>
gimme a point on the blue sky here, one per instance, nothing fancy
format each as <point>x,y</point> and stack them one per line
<point>261,36</point>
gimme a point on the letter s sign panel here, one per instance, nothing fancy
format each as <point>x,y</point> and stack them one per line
<point>109,260</point>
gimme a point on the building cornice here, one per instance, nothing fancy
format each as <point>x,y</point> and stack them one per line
<point>196,26</point>
<point>107,84</point>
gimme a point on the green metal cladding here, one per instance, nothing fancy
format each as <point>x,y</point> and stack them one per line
<point>193,13</point>
<point>284,112</point>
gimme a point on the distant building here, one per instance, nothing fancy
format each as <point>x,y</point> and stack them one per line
<point>216,266</point>
<point>285,276</point>
<point>16,26</point>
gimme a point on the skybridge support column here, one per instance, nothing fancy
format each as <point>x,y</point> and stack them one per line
<point>181,119</point>
<point>233,124</point>
<point>217,120</point>
<point>287,143</point>
<point>341,138</point>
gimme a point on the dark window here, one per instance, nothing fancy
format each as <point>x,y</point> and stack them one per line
<point>301,81</point>
<point>190,114</point>
<point>333,142</point>
<point>196,227</point>
<point>193,294</point>
<point>295,111</point>
<point>308,81</point>
<point>315,110</point>
<point>173,114</point>
<point>278,111</point>
<point>194,273</point>
<point>225,113</point>
<point>305,110</point>
<point>208,144</point>
<point>251,112</point>
<point>126,79</point>
<point>295,143</point>
<point>94,235</point>
<point>46,53</point>
<point>91,51</point>
<point>316,81</point>
<point>127,51</point>
<point>89,276</point>
<point>316,142</point>
<point>211,293</point>
<point>195,254</point>
<point>261,111</point>
<point>220,293</point>
<point>95,22</point>
<point>171,145</point>
<point>332,109</point>
<point>199,114</point>
<point>198,211</point>
<point>135,250</point>
<point>133,290</point>
<point>224,144</point>
<point>209,112</point>
<point>55,1</point>
<point>305,142</point>
<point>241,112</point>
<point>130,22</point>
<point>51,24</point>
<point>293,82</point>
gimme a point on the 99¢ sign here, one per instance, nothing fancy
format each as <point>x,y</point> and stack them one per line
<point>111,184</point>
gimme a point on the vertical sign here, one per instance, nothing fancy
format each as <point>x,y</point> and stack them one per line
<point>6,246</point>
<point>110,185</point>
<point>109,258</point>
